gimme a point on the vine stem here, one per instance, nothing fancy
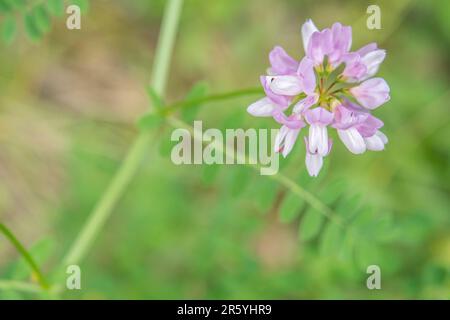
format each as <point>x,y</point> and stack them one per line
<point>211,98</point>
<point>138,150</point>
<point>26,255</point>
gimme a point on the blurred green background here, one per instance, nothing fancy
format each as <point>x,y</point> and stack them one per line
<point>68,107</point>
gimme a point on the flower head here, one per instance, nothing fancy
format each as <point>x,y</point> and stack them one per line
<point>331,86</point>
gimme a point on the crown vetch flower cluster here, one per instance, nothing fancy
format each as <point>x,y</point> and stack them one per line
<point>330,87</point>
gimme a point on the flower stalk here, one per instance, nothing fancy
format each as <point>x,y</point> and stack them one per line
<point>138,150</point>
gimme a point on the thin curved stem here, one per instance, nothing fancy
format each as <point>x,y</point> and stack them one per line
<point>214,97</point>
<point>127,171</point>
<point>109,200</point>
<point>26,255</point>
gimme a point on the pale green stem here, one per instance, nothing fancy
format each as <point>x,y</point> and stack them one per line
<point>164,49</point>
<point>211,98</point>
<point>127,171</point>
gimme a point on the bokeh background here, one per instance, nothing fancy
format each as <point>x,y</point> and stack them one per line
<point>68,109</point>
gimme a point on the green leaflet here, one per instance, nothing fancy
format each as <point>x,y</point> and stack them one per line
<point>5,6</point>
<point>209,173</point>
<point>150,120</point>
<point>36,16</point>
<point>345,252</point>
<point>333,191</point>
<point>190,110</point>
<point>56,7</point>
<point>348,206</point>
<point>264,191</point>
<point>331,241</point>
<point>42,18</point>
<point>9,29</point>
<point>165,143</point>
<point>367,253</point>
<point>31,28</point>
<point>83,4</point>
<point>240,178</point>
<point>153,119</point>
<point>310,224</point>
<point>290,207</point>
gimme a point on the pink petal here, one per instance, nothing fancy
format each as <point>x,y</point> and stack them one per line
<point>305,104</point>
<point>307,76</point>
<point>294,121</point>
<point>281,62</point>
<point>319,46</point>
<point>372,61</point>
<point>370,126</point>
<point>367,48</point>
<point>319,116</point>
<point>371,93</point>
<point>341,42</point>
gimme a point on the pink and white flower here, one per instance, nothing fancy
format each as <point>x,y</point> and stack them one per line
<point>314,98</point>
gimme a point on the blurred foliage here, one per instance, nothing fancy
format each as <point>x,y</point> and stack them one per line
<point>221,231</point>
<point>35,15</point>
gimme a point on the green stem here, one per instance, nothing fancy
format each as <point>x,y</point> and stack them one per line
<point>215,97</point>
<point>109,200</point>
<point>25,254</point>
<point>165,45</point>
<point>127,171</point>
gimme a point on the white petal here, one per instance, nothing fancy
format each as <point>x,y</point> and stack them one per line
<point>308,29</point>
<point>372,61</point>
<point>323,144</point>
<point>314,163</point>
<point>285,140</point>
<point>313,138</point>
<point>261,108</point>
<point>382,137</point>
<point>318,140</point>
<point>353,140</point>
<point>280,138</point>
<point>289,141</point>
<point>374,143</point>
<point>285,85</point>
